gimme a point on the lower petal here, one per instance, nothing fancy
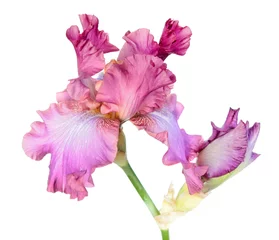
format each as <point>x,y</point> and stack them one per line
<point>162,125</point>
<point>78,143</point>
<point>193,175</point>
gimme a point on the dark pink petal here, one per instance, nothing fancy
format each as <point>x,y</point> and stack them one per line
<point>162,125</point>
<point>78,143</point>
<point>193,175</point>
<point>175,39</point>
<point>90,45</point>
<point>225,153</point>
<point>138,42</point>
<point>230,123</point>
<point>140,84</point>
<point>99,39</point>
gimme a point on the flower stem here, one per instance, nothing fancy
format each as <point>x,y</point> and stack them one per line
<point>165,234</point>
<point>140,189</point>
<point>143,194</point>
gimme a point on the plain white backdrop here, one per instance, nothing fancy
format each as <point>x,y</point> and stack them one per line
<point>232,62</point>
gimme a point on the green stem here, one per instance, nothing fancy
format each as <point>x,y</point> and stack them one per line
<point>165,234</point>
<point>142,192</point>
<point>140,189</point>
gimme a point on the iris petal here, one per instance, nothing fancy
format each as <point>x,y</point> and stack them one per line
<point>78,142</point>
<point>90,45</point>
<point>138,42</point>
<point>140,84</point>
<point>175,39</point>
<point>182,148</point>
<point>225,153</point>
<point>162,124</point>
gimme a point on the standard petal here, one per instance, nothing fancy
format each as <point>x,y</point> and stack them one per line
<point>225,153</point>
<point>78,143</point>
<point>230,123</point>
<point>90,45</point>
<point>138,42</point>
<point>175,39</point>
<point>80,92</point>
<point>140,84</point>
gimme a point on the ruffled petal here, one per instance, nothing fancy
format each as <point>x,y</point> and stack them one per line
<point>34,142</point>
<point>90,45</point>
<point>81,91</point>
<point>78,143</point>
<point>140,84</point>
<point>174,39</point>
<point>138,42</point>
<point>225,153</point>
<point>193,174</point>
<point>162,125</point>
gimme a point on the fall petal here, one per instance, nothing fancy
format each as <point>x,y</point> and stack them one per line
<point>193,175</point>
<point>78,143</point>
<point>162,125</point>
<point>140,84</point>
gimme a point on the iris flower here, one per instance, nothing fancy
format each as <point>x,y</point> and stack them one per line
<point>81,130</point>
<point>228,151</point>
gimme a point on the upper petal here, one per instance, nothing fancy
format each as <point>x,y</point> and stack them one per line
<point>230,123</point>
<point>80,91</point>
<point>90,45</point>
<point>225,153</point>
<point>174,39</point>
<point>78,143</point>
<point>138,42</point>
<point>140,84</point>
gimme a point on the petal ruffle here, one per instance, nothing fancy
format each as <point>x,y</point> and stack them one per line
<point>174,39</point>
<point>193,176</point>
<point>81,91</point>
<point>90,45</point>
<point>140,84</point>
<point>78,143</point>
<point>138,42</point>
<point>225,153</point>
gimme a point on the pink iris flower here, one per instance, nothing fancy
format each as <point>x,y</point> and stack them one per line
<point>81,130</point>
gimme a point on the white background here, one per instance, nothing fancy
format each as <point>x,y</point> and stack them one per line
<point>232,62</point>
